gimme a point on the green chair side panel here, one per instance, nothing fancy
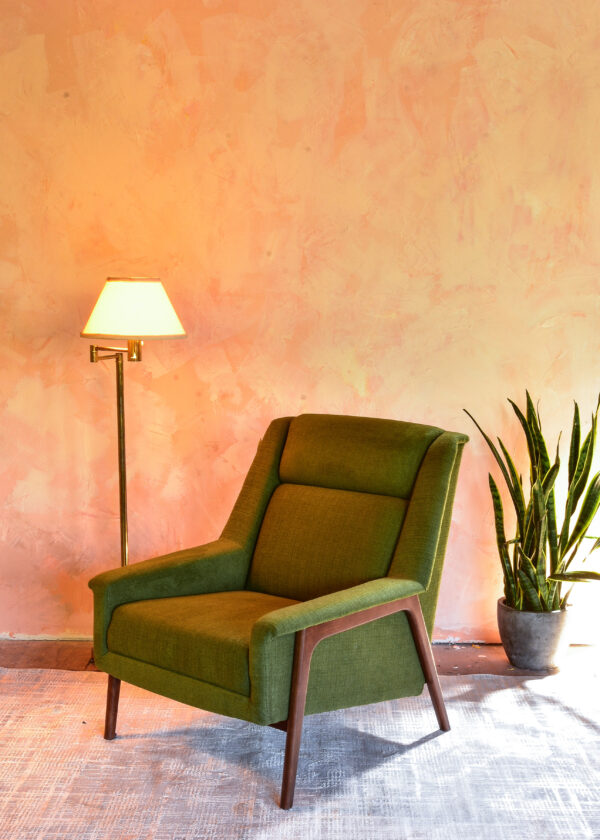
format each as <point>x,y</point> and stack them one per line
<point>374,662</point>
<point>246,517</point>
<point>421,547</point>
<point>371,663</point>
<point>425,529</point>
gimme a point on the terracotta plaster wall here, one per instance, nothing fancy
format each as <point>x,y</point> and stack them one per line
<point>379,208</point>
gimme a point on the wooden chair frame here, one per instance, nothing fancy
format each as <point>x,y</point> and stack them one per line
<point>305,643</point>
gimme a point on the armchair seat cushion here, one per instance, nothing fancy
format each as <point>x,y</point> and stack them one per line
<point>206,637</point>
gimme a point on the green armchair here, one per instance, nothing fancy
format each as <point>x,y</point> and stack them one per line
<point>320,593</point>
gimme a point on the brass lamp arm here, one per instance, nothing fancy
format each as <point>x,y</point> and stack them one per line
<point>133,350</point>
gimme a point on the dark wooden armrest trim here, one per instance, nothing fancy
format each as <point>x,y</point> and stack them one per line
<point>305,643</point>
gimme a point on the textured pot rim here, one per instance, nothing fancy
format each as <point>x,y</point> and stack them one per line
<point>502,603</point>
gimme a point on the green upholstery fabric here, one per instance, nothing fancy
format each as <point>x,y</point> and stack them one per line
<point>425,528</point>
<point>214,567</point>
<point>315,540</point>
<point>202,636</point>
<point>327,503</point>
<point>388,666</point>
<point>246,517</point>
<point>334,681</point>
<point>347,670</point>
<point>375,662</point>
<point>373,593</point>
<point>179,687</point>
<point>422,544</point>
<point>355,453</point>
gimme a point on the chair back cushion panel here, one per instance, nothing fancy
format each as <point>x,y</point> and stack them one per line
<point>355,453</point>
<point>316,540</point>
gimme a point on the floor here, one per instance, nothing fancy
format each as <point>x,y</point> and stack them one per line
<point>379,772</point>
<point>77,656</point>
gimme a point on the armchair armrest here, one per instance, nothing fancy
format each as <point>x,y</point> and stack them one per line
<point>215,567</point>
<point>335,605</point>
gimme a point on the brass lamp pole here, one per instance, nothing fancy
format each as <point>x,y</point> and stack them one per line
<point>134,354</point>
<point>131,309</point>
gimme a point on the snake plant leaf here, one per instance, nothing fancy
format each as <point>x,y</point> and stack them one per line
<point>549,473</point>
<point>582,472</point>
<point>589,508</point>
<point>533,517</point>
<point>596,544</point>
<point>567,560</point>
<point>584,464</point>
<point>518,497</point>
<point>530,592</point>
<point>497,456</point>
<point>564,599</point>
<point>564,533</point>
<point>536,430</point>
<point>549,479</point>
<point>540,562</point>
<point>527,565</point>
<point>541,536</point>
<point>551,506</point>
<point>575,442</point>
<point>528,436</point>
<point>530,411</point>
<point>536,511</point>
<point>539,501</point>
<point>577,486</point>
<point>529,530</point>
<point>577,576</point>
<point>510,590</point>
<point>553,594</point>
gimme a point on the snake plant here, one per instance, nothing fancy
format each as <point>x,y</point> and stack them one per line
<point>536,562</point>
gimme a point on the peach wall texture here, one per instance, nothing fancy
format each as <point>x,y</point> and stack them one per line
<point>378,207</point>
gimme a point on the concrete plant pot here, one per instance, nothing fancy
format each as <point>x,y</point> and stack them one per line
<point>534,641</point>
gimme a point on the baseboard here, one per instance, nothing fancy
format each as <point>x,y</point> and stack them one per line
<point>22,637</point>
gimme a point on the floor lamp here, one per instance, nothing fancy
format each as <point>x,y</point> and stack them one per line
<point>130,309</point>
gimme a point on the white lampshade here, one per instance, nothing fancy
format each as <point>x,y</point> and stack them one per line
<point>133,308</point>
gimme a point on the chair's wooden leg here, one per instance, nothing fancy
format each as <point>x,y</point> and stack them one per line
<point>302,657</point>
<point>423,645</point>
<point>112,707</point>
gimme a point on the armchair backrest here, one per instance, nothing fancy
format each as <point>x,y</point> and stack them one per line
<point>328,498</point>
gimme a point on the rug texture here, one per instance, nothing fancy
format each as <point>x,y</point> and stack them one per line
<point>522,761</point>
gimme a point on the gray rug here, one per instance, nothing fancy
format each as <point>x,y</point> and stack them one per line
<point>522,761</point>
